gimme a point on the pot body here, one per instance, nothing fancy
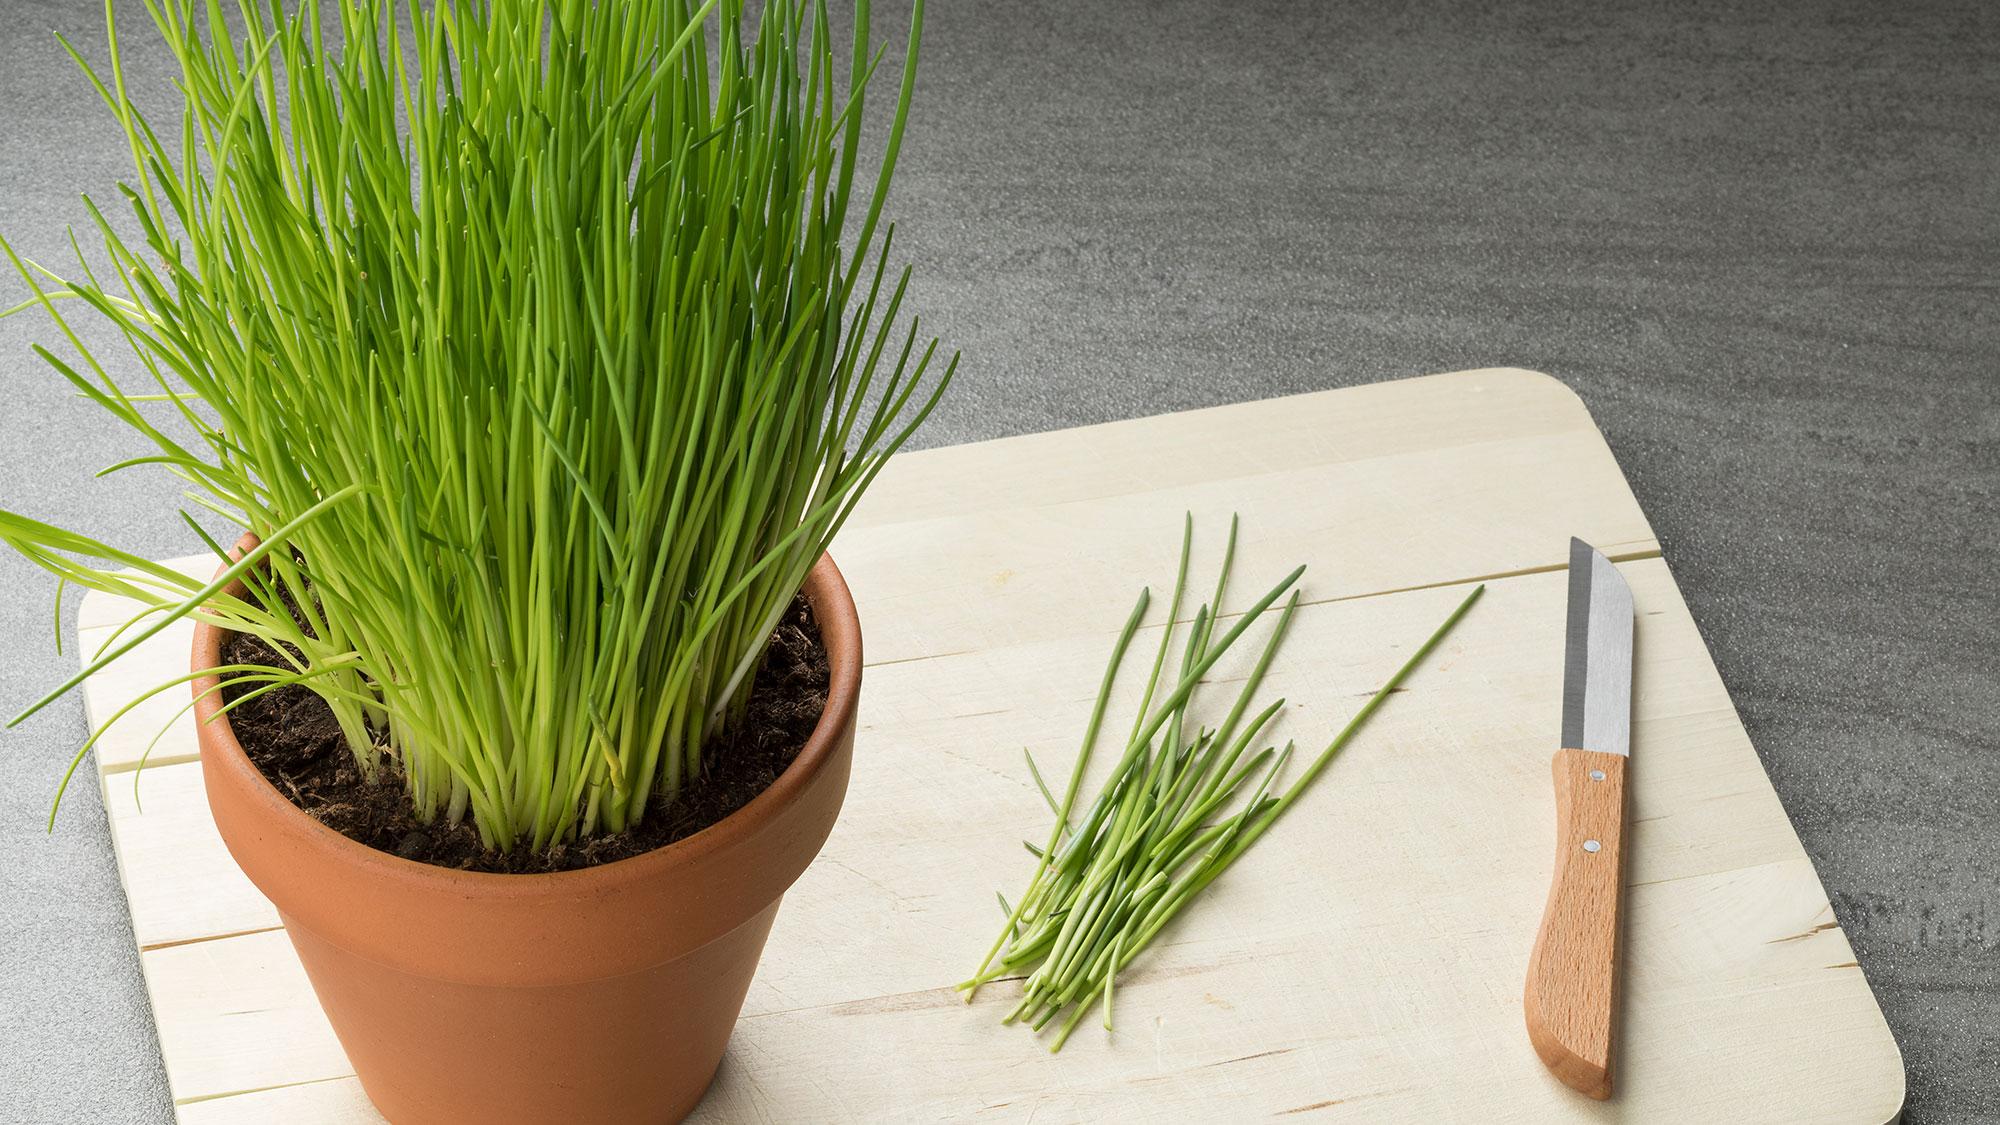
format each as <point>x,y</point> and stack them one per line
<point>604,995</point>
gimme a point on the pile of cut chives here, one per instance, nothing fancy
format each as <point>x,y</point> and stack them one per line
<point>1157,833</point>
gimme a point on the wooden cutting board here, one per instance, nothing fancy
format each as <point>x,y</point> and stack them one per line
<point>1363,963</point>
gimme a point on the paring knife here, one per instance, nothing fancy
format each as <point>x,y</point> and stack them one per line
<point>1573,974</point>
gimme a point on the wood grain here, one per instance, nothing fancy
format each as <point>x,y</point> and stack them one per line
<point>1572,983</point>
<point>1364,963</point>
<point>180,883</point>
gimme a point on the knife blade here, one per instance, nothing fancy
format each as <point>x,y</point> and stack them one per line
<point>1572,986</point>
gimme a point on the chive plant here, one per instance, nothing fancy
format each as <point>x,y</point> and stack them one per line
<point>1180,806</point>
<point>544,345</point>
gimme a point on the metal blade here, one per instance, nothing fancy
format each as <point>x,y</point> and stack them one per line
<point>1597,660</point>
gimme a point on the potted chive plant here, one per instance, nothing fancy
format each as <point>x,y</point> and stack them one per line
<point>539,347</point>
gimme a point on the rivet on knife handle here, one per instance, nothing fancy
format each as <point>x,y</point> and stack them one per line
<point>1573,973</point>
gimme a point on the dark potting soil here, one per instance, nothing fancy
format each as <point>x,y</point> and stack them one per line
<point>291,736</point>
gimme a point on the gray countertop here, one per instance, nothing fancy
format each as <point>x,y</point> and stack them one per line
<point>1762,248</point>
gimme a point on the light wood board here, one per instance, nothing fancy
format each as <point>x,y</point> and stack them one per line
<point>1363,963</point>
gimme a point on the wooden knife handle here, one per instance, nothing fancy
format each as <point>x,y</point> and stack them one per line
<point>1573,974</point>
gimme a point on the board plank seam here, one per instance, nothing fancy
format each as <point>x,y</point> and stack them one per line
<point>116,768</point>
<point>198,1099</point>
<point>207,937</point>
<point>1635,555</point>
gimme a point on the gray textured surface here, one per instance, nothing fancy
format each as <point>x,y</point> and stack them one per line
<point>1760,246</point>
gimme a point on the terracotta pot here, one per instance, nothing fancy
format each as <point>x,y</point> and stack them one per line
<point>593,996</point>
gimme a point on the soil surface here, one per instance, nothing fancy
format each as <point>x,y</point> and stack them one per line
<point>291,736</point>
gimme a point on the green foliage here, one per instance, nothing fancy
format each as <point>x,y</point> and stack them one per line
<point>1181,804</point>
<point>541,338</point>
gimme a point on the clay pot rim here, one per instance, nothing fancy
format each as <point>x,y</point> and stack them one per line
<point>840,629</point>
